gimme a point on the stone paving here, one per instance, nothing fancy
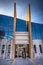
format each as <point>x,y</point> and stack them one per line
<point>39,61</point>
<point>5,62</point>
<point>21,61</point>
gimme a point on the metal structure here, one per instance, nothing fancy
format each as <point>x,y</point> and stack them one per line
<point>28,19</point>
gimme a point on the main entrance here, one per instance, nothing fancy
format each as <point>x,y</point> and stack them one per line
<point>22,50</point>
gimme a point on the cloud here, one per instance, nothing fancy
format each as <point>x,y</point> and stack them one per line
<point>7,8</point>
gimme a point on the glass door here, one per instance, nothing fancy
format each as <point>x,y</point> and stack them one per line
<point>21,51</point>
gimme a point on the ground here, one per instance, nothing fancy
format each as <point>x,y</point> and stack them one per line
<point>21,61</point>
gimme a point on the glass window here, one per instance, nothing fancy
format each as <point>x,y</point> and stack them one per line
<point>9,48</point>
<point>0,44</point>
<point>3,47</point>
<point>35,49</point>
<point>40,48</point>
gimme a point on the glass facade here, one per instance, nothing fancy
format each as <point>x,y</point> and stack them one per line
<point>37,31</point>
<point>6,25</point>
<point>21,25</point>
<point>6,33</point>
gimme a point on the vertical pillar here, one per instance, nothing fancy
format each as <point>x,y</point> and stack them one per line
<point>28,21</point>
<point>13,44</point>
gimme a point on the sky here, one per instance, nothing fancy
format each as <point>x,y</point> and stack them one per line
<point>36,6</point>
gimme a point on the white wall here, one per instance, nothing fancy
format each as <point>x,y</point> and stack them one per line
<point>22,39</point>
<point>5,42</point>
<point>37,43</point>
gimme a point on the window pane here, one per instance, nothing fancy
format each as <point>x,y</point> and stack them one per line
<point>3,47</point>
<point>35,49</point>
<point>40,48</point>
<point>9,48</point>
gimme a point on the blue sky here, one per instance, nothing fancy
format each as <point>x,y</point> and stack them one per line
<point>7,8</point>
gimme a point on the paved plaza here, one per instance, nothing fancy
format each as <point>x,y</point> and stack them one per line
<point>21,61</point>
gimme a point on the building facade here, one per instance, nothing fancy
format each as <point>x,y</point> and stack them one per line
<point>21,38</point>
<point>19,45</point>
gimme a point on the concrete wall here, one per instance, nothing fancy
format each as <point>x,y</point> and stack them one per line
<point>37,43</point>
<point>21,38</point>
<point>5,42</point>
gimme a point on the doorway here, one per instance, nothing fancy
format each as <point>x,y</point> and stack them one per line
<point>21,50</point>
